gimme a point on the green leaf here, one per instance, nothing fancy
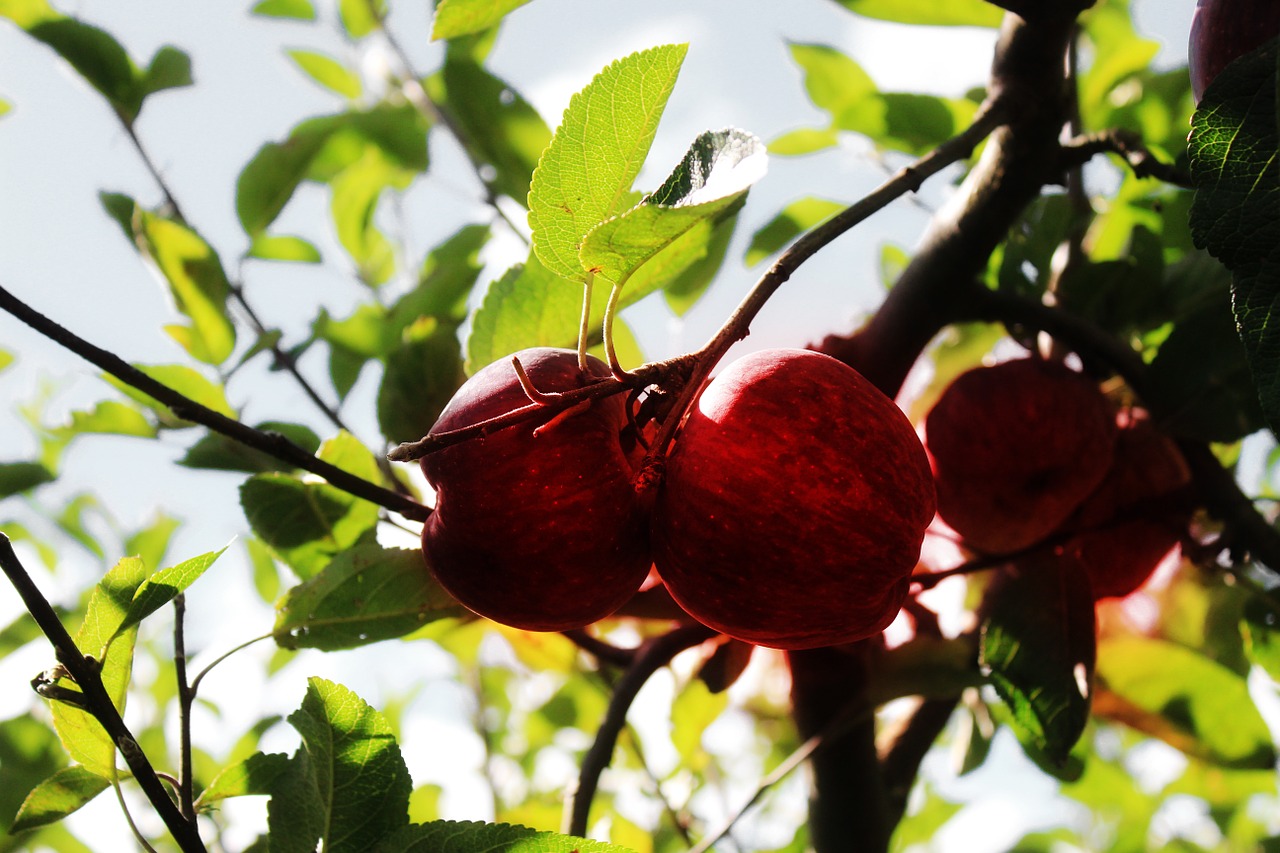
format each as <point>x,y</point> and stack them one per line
<point>361,17</point>
<point>256,775</point>
<point>299,10</point>
<point>170,68</point>
<point>192,269</point>
<point>794,219</point>
<point>710,183</point>
<point>1260,629</point>
<point>306,524</point>
<point>445,281</point>
<point>82,735</point>
<point>29,750</point>
<point>151,542</point>
<point>953,13</point>
<point>1193,695</point>
<point>356,193</point>
<point>422,375</point>
<point>585,174</point>
<point>6,359</point>
<point>448,836</point>
<point>1037,643</point>
<point>58,796</point>
<point>219,453</point>
<point>164,586</point>
<point>682,289</point>
<point>110,417</point>
<point>267,247</point>
<point>17,477</point>
<point>359,776</point>
<point>268,181</point>
<point>187,382</point>
<point>365,595</point>
<point>500,129</point>
<point>328,72</point>
<point>1236,213</point>
<point>96,56</point>
<point>455,18</point>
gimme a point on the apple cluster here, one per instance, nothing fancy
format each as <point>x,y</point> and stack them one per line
<point>1030,455</point>
<point>792,511</point>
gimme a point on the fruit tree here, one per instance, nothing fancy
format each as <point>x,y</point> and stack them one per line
<point>541,439</point>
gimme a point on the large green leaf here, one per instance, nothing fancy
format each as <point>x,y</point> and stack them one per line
<point>463,17</point>
<point>366,594</point>
<point>354,769</point>
<point>952,13</point>
<point>422,375</point>
<point>445,281</point>
<point>709,184</point>
<point>58,796</point>
<point>1206,703</point>
<point>356,192</point>
<point>584,176</point>
<point>446,836</point>
<point>1236,214</point>
<point>1038,645</point>
<point>499,128</point>
<point>82,735</point>
<point>29,750</point>
<point>256,775</point>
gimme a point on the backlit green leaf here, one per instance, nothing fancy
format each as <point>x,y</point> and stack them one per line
<point>1038,646</point>
<point>96,56</point>
<point>709,183</point>
<point>953,13</point>
<point>366,594</point>
<point>29,750</point>
<point>186,381</point>
<point>356,193</point>
<point>447,836</point>
<point>1192,694</point>
<point>463,17</point>
<point>82,735</point>
<point>361,17</point>
<point>58,796</point>
<point>328,72</point>
<point>301,10</point>
<point>421,376</point>
<point>169,68</point>
<point>359,776</point>
<point>794,219</point>
<point>219,453</point>
<point>257,774</point>
<point>267,247</point>
<point>164,586</point>
<point>585,174</point>
<point>111,417</point>
<point>445,281</point>
<point>1236,214</point>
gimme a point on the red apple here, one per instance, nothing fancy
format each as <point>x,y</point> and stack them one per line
<point>537,527</point>
<point>1224,30</point>
<point>794,504</point>
<point>1138,514</point>
<point>1015,448</point>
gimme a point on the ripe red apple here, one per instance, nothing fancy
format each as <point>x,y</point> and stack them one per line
<point>1224,30</point>
<point>537,527</point>
<point>794,504</point>
<point>1138,514</point>
<point>1015,448</point>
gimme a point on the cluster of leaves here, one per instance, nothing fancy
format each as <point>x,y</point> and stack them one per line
<point>1141,280</point>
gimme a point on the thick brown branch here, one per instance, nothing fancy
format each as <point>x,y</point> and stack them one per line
<point>183,407</point>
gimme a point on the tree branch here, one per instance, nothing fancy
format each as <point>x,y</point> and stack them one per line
<point>651,657</point>
<point>95,700</point>
<point>185,408</point>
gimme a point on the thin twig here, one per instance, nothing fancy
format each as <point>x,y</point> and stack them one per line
<point>97,701</point>
<point>1130,148</point>
<point>652,656</point>
<point>186,782</point>
<point>185,408</point>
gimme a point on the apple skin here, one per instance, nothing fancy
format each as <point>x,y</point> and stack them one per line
<point>537,530</point>
<point>1224,30</point>
<point>1015,448</point>
<point>1138,514</point>
<point>794,504</point>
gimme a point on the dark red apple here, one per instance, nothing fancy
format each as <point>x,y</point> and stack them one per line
<point>1224,30</point>
<point>794,504</point>
<point>1138,514</point>
<point>1015,449</point>
<point>537,527</point>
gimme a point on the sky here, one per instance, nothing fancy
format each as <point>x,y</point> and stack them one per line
<point>60,146</point>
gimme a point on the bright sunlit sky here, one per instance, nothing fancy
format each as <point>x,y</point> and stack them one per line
<point>60,146</point>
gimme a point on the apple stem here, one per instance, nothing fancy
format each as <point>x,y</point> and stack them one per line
<point>584,324</point>
<point>611,311</point>
<point>542,398</point>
